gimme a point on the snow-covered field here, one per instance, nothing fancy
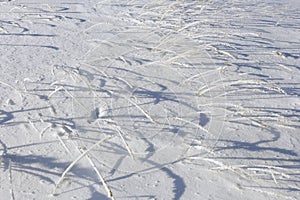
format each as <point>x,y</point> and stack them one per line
<point>149,100</point>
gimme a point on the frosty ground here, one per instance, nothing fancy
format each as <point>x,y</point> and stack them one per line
<point>150,99</point>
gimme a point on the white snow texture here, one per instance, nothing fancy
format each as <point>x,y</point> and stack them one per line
<point>162,99</point>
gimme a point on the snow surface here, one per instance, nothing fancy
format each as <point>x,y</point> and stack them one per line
<point>150,99</point>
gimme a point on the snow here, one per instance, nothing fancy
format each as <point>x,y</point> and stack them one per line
<point>150,99</point>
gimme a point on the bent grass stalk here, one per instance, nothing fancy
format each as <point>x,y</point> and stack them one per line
<point>260,82</point>
<point>194,124</point>
<point>141,109</point>
<point>12,193</point>
<point>70,94</point>
<point>14,88</point>
<point>205,88</point>
<point>106,186</point>
<point>83,154</point>
<point>219,69</point>
<point>120,133</point>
